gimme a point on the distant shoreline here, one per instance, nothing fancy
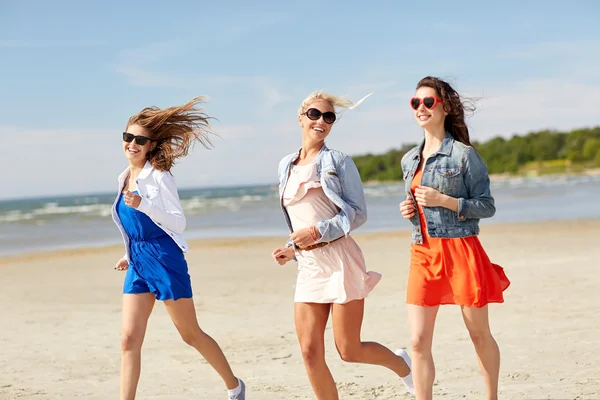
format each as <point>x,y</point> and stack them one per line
<point>253,241</point>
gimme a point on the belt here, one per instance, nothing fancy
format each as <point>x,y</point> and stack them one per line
<point>318,245</point>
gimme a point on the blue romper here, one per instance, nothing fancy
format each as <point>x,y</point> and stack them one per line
<point>156,263</point>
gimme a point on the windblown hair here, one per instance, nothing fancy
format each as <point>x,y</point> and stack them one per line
<point>335,101</point>
<point>455,105</point>
<point>175,130</point>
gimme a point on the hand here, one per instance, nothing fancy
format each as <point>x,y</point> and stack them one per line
<point>304,237</point>
<point>429,197</point>
<point>131,199</point>
<point>282,256</point>
<point>122,265</point>
<point>408,208</point>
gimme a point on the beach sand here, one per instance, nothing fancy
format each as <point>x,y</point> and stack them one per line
<point>60,322</point>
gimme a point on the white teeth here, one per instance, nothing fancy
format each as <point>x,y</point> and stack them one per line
<point>318,129</point>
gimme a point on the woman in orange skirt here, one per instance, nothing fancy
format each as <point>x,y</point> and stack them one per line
<point>448,192</point>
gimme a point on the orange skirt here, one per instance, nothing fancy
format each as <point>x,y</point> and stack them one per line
<point>452,271</point>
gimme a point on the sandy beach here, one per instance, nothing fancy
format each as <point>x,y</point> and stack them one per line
<point>60,322</point>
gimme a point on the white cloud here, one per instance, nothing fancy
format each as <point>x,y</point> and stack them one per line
<point>534,105</point>
<point>81,160</point>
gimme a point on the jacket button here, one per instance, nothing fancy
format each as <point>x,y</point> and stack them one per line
<point>418,230</point>
<point>462,218</point>
<point>447,173</point>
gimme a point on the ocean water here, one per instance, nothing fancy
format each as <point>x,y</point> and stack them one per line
<point>48,223</point>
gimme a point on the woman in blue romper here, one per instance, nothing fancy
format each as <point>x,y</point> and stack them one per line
<point>148,213</point>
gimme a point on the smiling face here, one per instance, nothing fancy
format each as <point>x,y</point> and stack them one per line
<point>430,119</point>
<point>135,153</point>
<point>316,130</point>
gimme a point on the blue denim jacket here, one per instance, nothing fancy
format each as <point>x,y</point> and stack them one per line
<point>458,171</point>
<point>341,183</point>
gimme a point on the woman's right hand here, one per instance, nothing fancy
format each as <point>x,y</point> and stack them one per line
<point>407,208</point>
<point>122,264</point>
<point>282,256</point>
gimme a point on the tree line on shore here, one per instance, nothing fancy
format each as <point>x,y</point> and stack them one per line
<point>539,153</point>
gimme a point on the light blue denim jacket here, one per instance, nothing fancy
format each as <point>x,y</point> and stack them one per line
<point>341,183</point>
<point>458,171</point>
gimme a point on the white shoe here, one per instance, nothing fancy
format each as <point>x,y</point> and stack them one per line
<point>242,394</point>
<point>407,380</point>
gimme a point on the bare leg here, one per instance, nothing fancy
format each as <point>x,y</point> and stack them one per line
<point>347,322</point>
<point>183,314</point>
<point>311,319</point>
<point>488,353</point>
<point>422,322</point>
<point>136,311</point>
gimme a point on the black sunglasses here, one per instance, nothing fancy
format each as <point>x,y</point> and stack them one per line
<point>141,140</point>
<point>314,114</point>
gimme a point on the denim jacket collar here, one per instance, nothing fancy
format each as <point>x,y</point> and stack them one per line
<point>445,148</point>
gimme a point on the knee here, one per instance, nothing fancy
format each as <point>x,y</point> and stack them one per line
<point>192,337</point>
<point>420,344</point>
<point>312,354</point>
<point>131,341</point>
<point>480,337</point>
<point>348,352</point>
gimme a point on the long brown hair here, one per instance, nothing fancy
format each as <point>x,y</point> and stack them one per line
<point>455,105</point>
<point>175,130</point>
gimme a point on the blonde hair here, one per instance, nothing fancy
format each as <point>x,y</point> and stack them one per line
<point>335,101</point>
<point>175,130</point>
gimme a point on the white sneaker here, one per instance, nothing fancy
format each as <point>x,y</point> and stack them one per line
<point>407,380</point>
<point>242,394</point>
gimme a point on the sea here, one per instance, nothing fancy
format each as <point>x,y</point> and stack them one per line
<point>69,222</point>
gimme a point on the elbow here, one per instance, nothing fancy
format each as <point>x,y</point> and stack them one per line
<point>491,207</point>
<point>488,210</point>
<point>491,210</point>
<point>360,217</point>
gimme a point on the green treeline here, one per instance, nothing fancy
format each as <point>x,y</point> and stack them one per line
<point>544,152</point>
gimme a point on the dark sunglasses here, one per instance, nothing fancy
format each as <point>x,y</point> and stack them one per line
<point>314,114</point>
<point>428,102</point>
<point>141,140</point>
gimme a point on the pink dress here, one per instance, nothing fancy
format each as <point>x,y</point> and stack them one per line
<point>334,273</point>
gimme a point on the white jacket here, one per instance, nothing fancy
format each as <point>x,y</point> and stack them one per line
<point>160,202</point>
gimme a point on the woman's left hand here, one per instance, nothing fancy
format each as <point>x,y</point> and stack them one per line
<point>304,237</point>
<point>429,197</point>
<point>131,199</point>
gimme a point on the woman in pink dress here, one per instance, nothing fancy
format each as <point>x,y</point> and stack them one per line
<point>322,199</point>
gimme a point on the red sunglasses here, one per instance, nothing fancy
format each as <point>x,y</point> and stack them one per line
<point>429,102</point>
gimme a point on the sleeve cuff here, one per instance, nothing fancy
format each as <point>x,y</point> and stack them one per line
<point>322,231</point>
<point>461,209</point>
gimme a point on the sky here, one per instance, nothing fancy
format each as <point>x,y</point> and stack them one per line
<point>73,72</point>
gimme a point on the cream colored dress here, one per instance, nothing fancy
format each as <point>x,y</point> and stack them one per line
<point>334,273</point>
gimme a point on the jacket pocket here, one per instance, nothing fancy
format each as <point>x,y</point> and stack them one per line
<point>447,179</point>
<point>151,192</point>
<point>448,171</point>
